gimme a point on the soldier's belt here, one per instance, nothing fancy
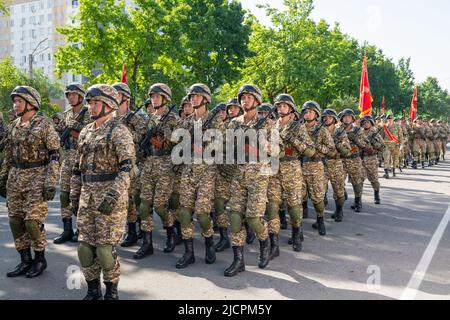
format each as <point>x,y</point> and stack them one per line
<point>98,177</point>
<point>353,156</point>
<point>312,160</point>
<point>29,165</point>
<point>286,159</point>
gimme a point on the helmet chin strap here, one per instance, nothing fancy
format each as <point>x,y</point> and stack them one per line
<point>201,105</point>
<point>102,114</point>
<point>25,111</point>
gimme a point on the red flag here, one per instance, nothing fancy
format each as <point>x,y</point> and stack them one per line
<point>124,74</point>
<point>365,98</point>
<point>413,110</point>
<point>383,106</point>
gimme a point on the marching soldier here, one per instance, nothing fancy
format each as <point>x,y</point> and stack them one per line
<point>102,169</point>
<point>443,138</point>
<point>392,136</point>
<point>156,172</point>
<point>419,147</point>
<point>370,162</point>
<point>334,168</point>
<point>73,121</point>
<point>137,126</point>
<point>198,179</point>
<point>28,177</point>
<point>429,142</point>
<point>287,183</point>
<point>313,167</point>
<point>353,163</point>
<point>436,141</point>
<point>249,198</point>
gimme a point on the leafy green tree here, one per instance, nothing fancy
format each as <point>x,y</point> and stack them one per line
<point>433,101</point>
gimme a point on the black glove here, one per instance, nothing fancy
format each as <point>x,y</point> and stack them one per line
<point>49,193</point>
<point>3,190</point>
<point>109,203</point>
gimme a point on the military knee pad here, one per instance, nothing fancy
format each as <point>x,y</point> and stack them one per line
<point>64,198</point>
<point>272,210</point>
<point>256,224</point>
<point>144,209</point>
<point>106,256</point>
<point>219,206</point>
<point>185,217</point>
<point>295,213</point>
<point>376,186</point>
<point>33,228</point>
<point>236,222</point>
<point>16,225</point>
<point>204,220</point>
<point>86,254</point>
<point>163,213</point>
<point>174,201</point>
<point>319,207</point>
<point>358,189</point>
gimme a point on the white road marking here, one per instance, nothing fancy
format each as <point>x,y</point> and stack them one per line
<point>411,289</point>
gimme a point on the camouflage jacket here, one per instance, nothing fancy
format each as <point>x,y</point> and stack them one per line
<point>295,140</point>
<point>31,143</point>
<point>417,132</point>
<point>323,142</point>
<point>67,117</point>
<point>357,139</point>
<point>429,133</point>
<point>375,141</point>
<point>107,150</point>
<point>136,124</point>
<point>395,130</point>
<point>443,134</point>
<point>163,131</point>
<point>341,141</point>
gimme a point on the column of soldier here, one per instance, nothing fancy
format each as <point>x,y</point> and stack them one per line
<point>117,170</point>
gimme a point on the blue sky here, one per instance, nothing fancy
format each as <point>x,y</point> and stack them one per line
<point>401,28</point>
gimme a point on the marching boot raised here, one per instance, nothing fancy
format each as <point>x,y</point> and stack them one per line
<point>238,264</point>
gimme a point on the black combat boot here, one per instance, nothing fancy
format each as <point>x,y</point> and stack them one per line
<point>380,163</point>
<point>321,226</point>
<point>75,237</point>
<point>325,201</point>
<point>386,173</point>
<point>170,242</point>
<point>430,162</point>
<point>393,173</point>
<point>297,241</point>
<point>414,165</point>
<point>358,204</point>
<point>131,238</point>
<point>264,247</point>
<point>139,232</point>
<point>400,169</point>
<point>339,213</point>
<point>305,210</point>
<point>423,164</point>
<point>283,220</point>
<point>38,266</point>
<point>224,242</point>
<point>436,161</point>
<point>24,266</point>
<point>111,291</point>
<point>302,238</point>
<point>238,264</point>
<point>377,197</point>
<point>345,195</point>
<point>214,220</point>
<point>94,290</point>
<point>250,234</point>
<point>274,246</point>
<point>147,246</point>
<point>67,232</point>
<point>210,251</point>
<point>179,236</point>
<point>188,257</point>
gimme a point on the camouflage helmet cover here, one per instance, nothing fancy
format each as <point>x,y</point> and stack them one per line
<point>29,94</point>
<point>251,89</point>
<point>312,105</point>
<point>75,88</point>
<point>162,89</point>
<point>122,88</point>
<point>200,89</point>
<point>104,93</point>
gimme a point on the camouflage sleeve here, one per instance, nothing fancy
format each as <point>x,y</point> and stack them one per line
<point>62,124</point>
<point>343,145</point>
<point>169,126</point>
<point>324,143</point>
<point>7,153</point>
<point>401,137</point>
<point>302,142</point>
<point>52,143</point>
<point>377,142</point>
<point>140,127</point>
<point>122,141</point>
<point>361,140</point>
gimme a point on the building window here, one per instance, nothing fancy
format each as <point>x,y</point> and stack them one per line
<point>49,17</point>
<point>12,48</point>
<point>32,20</point>
<point>12,23</point>
<point>41,18</point>
<point>49,3</point>
<point>32,7</point>
<point>74,3</point>
<point>23,35</point>
<point>23,8</point>
<point>41,5</point>
<point>23,22</point>
<point>49,57</point>
<point>49,31</point>
<point>24,59</point>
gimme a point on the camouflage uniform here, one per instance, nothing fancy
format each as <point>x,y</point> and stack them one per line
<point>391,154</point>
<point>27,180</point>
<point>430,144</point>
<point>105,158</point>
<point>443,138</point>
<point>417,132</point>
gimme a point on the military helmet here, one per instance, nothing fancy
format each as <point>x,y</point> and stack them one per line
<point>75,88</point>
<point>28,94</point>
<point>184,101</point>
<point>162,89</point>
<point>347,112</point>
<point>104,93</point>
<point>251,89</point>
<point>221,106</point>
<point>312,105</point>
<point>367,118</point>
<point>285,98</point>
<point>330,113</point>
<point>234,102</point>
<point>200,89</point>
<point>265,107</point>
<point>122,88</point>
<point>432,121</point>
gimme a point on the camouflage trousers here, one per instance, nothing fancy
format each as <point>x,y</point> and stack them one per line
<point>25,204</point>
<point>430,149</point>
<point>370,170</point>
<point>334,172</point>
<point>156,187</point>
<point>93,272</point>
<point>134,188</point>
<point>197,188</point>
<point>391,156</point>
<point>419,149</point>
<point>443,146</point>
<point>248,201</point>
<point>222,194</point>
<point>66,174</point>
<point>353,168</point>
<point>437,148</point>
<point>286,186</point>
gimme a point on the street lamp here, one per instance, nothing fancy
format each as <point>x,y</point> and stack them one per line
<point>31,55</point>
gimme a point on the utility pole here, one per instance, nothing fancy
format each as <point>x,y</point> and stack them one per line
<point>31,56</point>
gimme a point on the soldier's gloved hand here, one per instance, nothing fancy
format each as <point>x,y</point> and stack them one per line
<point>156,142</point>
<point>109,203</point>
<point>49,193</point>
<point>75,125</point>
<point>3,191</point>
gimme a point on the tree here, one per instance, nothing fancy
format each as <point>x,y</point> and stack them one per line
<point>4,7</point>
<point>433,101</point>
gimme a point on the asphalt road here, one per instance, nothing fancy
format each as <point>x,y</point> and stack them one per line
<point>376,254</point>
